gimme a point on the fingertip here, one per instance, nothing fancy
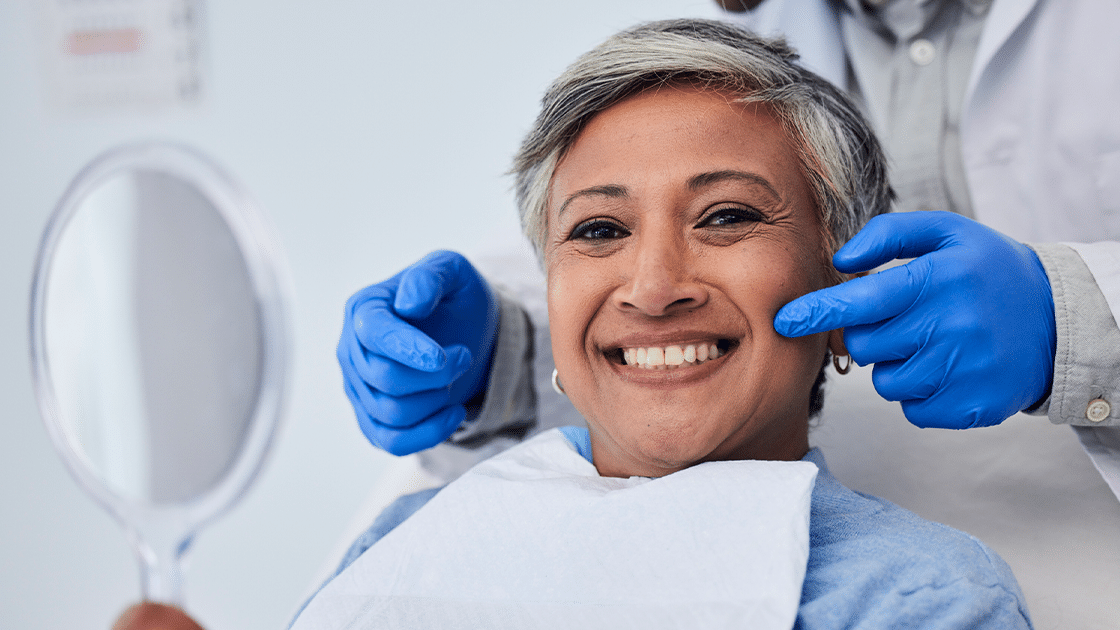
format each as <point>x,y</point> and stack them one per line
<point>449,419</point>
<point>802,316</point>
<point>862,253</point>
<point>849,262</point>
<point>419,293</point>
<point>789,320</point>
<point>385,334</point>
<point>399,447</point>
<point>422,353</point>
<point>461,358</point>
<point>914,413</point>
<point>884,238</point>
<point>926,413</point>
<point>371,430</point>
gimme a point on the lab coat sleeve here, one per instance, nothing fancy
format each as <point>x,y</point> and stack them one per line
<point>1086,389</point>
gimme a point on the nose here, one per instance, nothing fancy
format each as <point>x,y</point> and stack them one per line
<point>663,279</point>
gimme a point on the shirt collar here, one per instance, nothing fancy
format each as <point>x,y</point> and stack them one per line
<point>904,19</point>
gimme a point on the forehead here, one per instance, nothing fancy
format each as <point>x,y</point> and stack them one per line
<point>674,132</point>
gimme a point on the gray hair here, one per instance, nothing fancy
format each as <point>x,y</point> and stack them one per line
<point>839,155</point>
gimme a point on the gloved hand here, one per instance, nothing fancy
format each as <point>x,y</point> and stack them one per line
<point>963,334</point>
<point>415,348</point>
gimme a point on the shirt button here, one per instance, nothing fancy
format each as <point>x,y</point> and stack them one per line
<point>1098,410</point>
<point>922,52</point>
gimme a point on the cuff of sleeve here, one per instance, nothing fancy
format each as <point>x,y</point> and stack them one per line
<point>507,407</point>
<point>1087,356</point>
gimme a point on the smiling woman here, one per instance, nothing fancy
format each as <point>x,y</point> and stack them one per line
<point>679,220</point>
<point>684,180</point>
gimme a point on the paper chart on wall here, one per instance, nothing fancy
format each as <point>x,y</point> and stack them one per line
<point>121,55</point>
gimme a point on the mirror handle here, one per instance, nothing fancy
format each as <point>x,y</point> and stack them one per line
<point>161,566</point>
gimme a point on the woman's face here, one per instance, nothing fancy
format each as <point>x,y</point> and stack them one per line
<point>679,221</point>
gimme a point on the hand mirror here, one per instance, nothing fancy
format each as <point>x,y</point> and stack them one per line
<point>158,345</point>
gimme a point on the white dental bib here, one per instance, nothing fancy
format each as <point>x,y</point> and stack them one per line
<point>535,538</point>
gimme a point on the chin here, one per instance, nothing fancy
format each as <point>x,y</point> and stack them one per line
<point>673,446</point>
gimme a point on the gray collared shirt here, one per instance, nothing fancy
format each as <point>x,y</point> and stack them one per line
<point>915,57</point>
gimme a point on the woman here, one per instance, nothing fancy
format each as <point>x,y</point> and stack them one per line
<point>684,180</point>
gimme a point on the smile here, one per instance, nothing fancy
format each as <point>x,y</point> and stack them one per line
<point>674,356</point>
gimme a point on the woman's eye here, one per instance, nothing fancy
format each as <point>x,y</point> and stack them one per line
<point>598,230</point>
<point>730,216</point>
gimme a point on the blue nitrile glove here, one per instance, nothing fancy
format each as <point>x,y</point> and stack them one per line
<point>963,334</point>
<point>415,348</point>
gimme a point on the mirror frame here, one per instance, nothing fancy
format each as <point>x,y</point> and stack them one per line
<point>158,529</point>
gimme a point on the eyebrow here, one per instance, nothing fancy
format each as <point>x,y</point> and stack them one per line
<point>612,191</point>
<point>696,182</point>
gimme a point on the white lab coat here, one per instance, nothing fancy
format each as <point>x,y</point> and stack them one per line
<point>1040,130</point>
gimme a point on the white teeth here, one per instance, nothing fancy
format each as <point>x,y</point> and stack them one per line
<point>671,357</point>
<point>674,355</point>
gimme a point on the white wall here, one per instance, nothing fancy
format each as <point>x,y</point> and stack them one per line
<point>371,132</point>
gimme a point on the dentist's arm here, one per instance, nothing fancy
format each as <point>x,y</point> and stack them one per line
<point>415,349</point>
<point>963,335</point>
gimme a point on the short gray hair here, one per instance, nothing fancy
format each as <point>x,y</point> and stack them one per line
<point>840,157</point>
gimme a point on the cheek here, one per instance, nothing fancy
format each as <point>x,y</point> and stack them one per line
<point>800,272</point>
<point>769,279</point>
<point>805,269</point>
<point>570,308</point>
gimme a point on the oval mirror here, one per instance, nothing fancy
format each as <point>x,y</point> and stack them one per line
<point>158,345</point>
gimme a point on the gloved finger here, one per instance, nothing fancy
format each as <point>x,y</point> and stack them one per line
<point>402,412</point>
<point>395,379</point>
<point>948,411</point>
<point>913,379</point>
<point>858,301</point>
<point>382,332</point>
<point>426,283</point>
<point>428,433</point>
<point>897,235</point>
<point>897,338</point>
<point>380,405</point>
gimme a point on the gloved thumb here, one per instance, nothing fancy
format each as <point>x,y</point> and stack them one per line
<point>898,235</point>
<point>424,284</point>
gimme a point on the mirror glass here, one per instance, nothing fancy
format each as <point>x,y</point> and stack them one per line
<point>158,343</point>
